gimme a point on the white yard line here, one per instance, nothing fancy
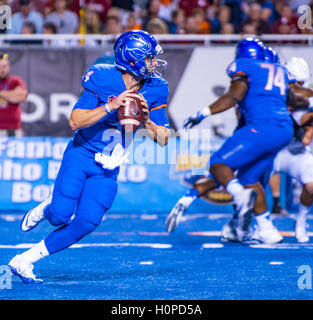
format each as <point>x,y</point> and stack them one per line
<point>88,245</point>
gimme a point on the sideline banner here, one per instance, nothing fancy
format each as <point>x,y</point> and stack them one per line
<point>151,183</point>
<point>28,169</point>
<point>195,76</point>
<point>53,78</point>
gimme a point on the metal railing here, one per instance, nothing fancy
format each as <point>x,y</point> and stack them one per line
<point>76,40</point>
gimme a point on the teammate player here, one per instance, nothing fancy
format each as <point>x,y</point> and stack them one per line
<point>87,184</point>
<point>255,84</point>
<point>274,182</point>
<point>296,159</point>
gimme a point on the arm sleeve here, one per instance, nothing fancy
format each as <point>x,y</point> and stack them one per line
<point>88,100</point>
<point>158,106</point>
<point>238,67</point>
<point>159,117</point>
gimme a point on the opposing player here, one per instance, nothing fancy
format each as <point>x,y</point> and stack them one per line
<point>85,189</point>
<point>296,159</point>
<point>252,149</point>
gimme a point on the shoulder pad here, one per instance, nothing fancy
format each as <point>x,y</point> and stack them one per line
<point>96,76</point>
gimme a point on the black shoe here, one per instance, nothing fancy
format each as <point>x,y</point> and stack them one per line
<point>278,209</point>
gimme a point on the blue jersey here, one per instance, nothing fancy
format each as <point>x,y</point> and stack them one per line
<point>265,101</point>
<point>102,83</point>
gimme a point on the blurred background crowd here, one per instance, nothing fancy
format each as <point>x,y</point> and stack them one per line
<point>155,16</point>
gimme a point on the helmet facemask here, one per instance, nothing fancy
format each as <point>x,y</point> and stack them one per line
<point>154,68</point>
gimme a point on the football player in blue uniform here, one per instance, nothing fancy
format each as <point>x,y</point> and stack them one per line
<point>260,89</point>
<point>86,184</point>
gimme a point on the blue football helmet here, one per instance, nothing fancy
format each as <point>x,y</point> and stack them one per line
<point>251,48</point>
<point>271,55</point>
<point>132,49</point>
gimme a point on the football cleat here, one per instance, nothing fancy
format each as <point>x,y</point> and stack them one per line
<point>229,231</point>
<point>268,235</point>
<point>35,215</point>
<point>174,217</point>
<point>24,270</point>
<point>300,232</point>
<point>245,203</point>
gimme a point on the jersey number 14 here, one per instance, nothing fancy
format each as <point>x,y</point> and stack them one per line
<point>275,78</point>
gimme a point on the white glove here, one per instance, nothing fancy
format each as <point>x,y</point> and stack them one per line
<point>118,157</point>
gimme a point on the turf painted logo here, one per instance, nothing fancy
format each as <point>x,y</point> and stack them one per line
<point>5,277</point>
<point>305,280</point>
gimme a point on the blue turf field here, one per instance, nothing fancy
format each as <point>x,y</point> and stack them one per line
<point>131,257</point>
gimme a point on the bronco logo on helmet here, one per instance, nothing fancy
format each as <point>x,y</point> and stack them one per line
<point>131,51</point>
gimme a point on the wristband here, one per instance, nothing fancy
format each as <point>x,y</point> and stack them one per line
<point>205,112</point>
<point>107,109</point>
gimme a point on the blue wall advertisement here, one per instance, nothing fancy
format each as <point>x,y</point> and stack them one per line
<point>151,182</point>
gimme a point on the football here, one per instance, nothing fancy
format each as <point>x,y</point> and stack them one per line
<point>131,115</point>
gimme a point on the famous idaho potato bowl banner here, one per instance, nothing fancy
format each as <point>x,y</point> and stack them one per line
<point>151,182</point>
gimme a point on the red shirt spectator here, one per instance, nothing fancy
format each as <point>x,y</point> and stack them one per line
<point>189,5</point>
<point>12,92</point>
<point>101,7</point>
<point>36,5</point>
<point>287,23</point>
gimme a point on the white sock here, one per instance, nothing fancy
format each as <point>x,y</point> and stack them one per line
<point>37,252</point>
<point>187,200</point>
<point>234,187</point>
<point>191,195</point>
<point>263,220</point>
<point>303,212</point>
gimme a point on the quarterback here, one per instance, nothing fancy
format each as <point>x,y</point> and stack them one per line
<point>86,184</point>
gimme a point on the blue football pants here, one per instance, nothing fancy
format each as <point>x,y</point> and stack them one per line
<point>252,149</point>
<point>83,190</point>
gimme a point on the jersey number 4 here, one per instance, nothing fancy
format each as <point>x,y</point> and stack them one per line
<point>275,78</point>
<point>87,75</point>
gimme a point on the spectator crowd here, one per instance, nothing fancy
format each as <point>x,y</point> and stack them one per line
<point>156,16</point>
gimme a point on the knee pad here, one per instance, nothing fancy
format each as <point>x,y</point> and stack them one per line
<point>54,218</point>
<point>81,227</point>
<point>309,188</point>
<point>68,234</point>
